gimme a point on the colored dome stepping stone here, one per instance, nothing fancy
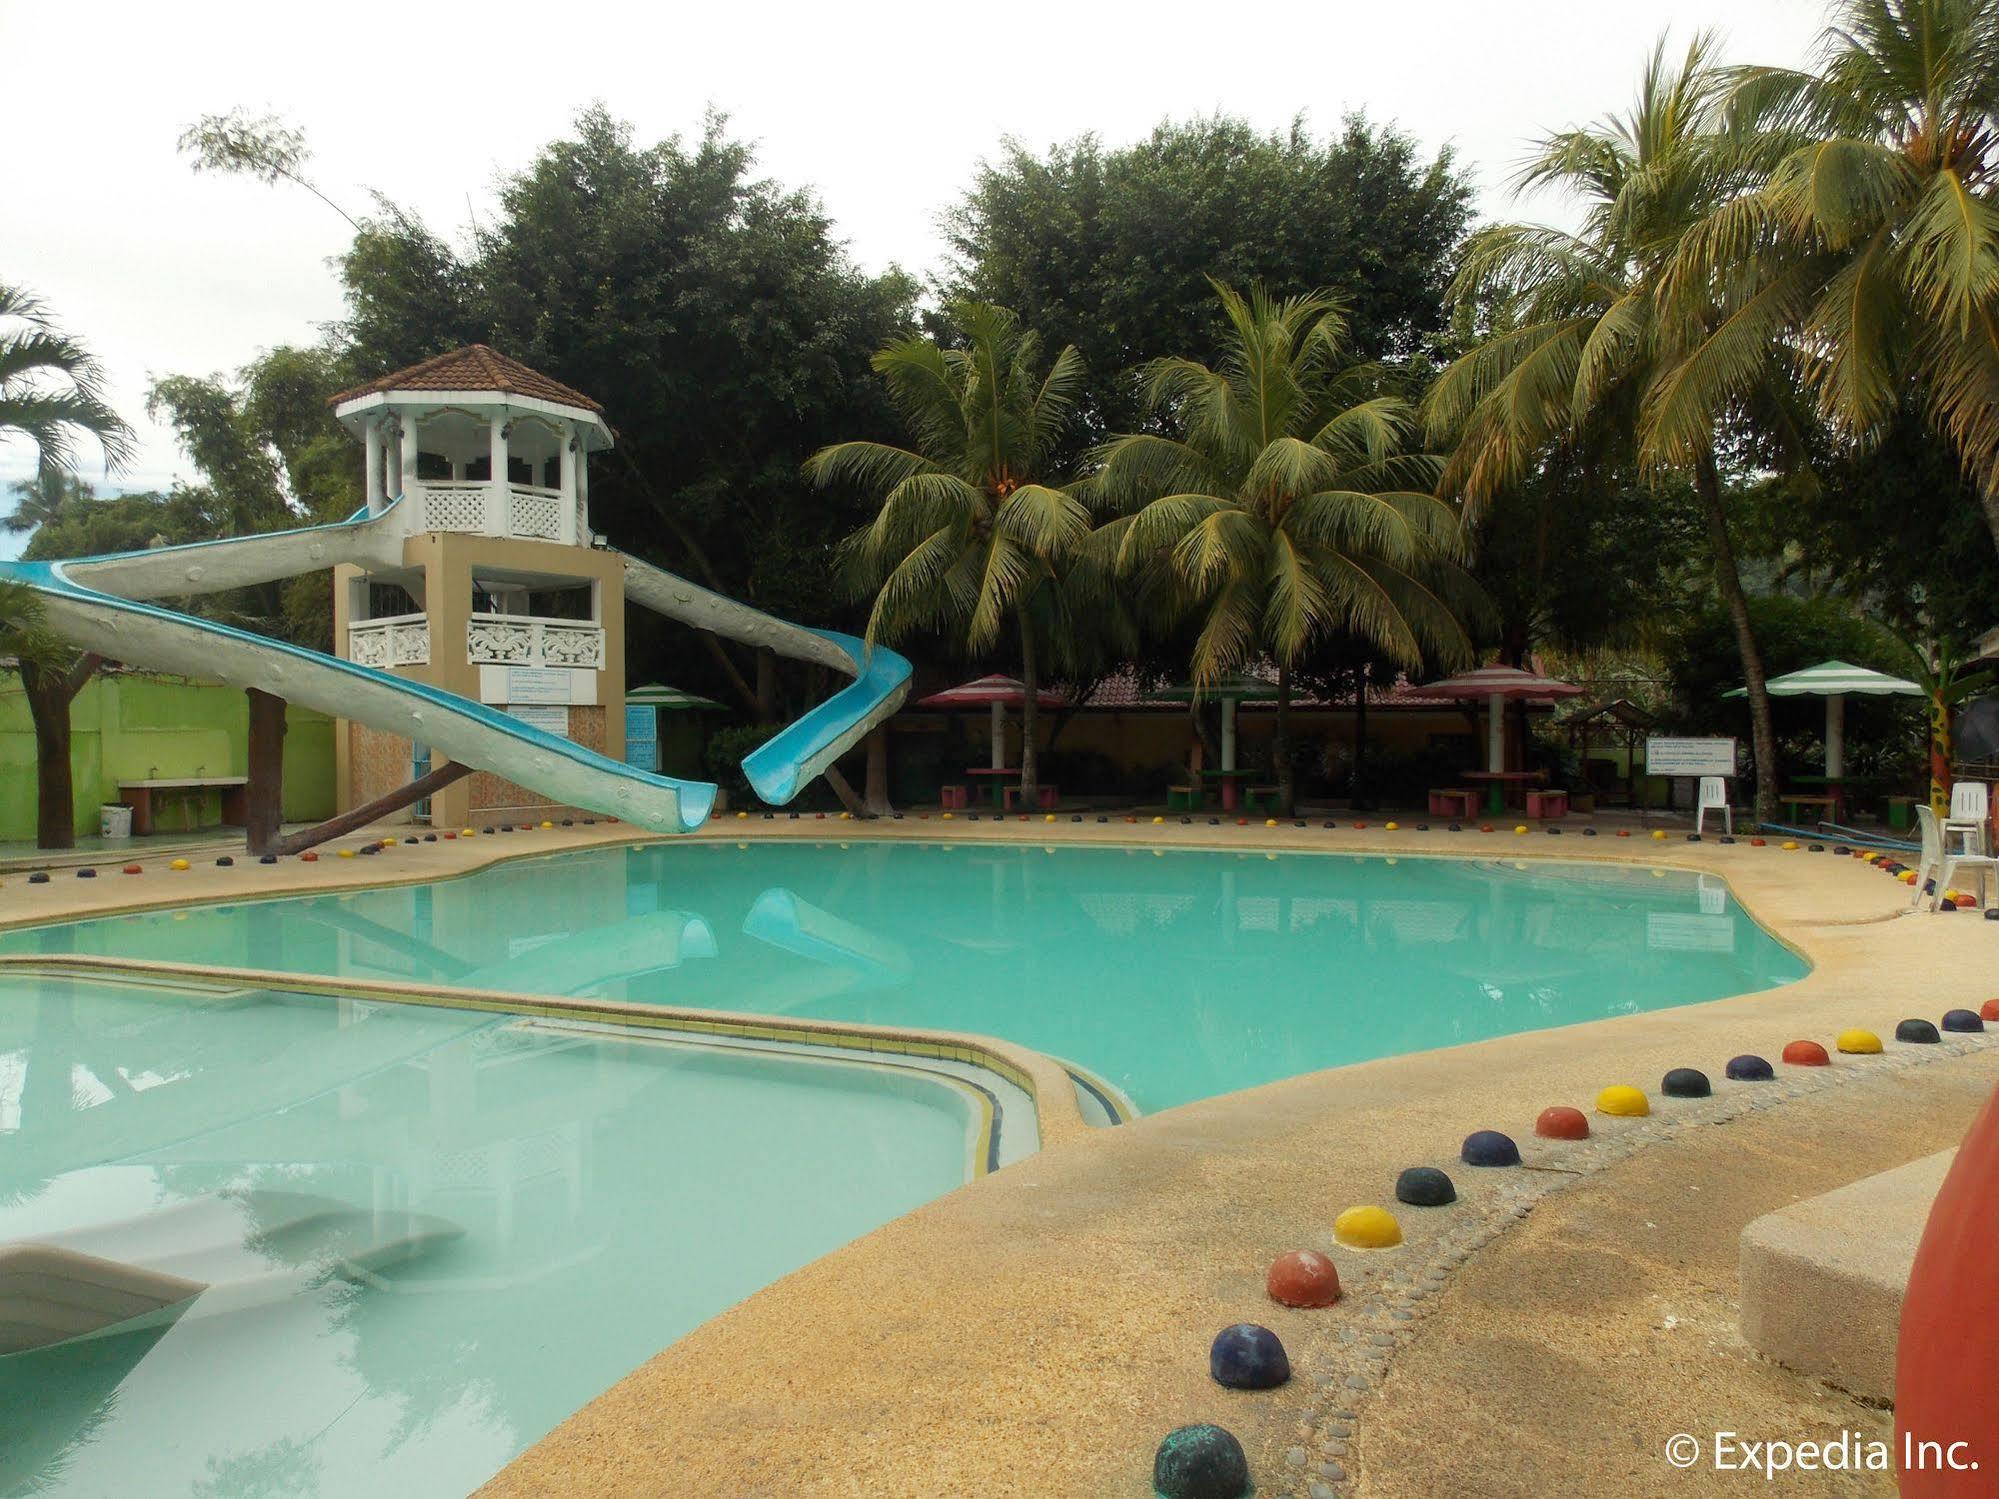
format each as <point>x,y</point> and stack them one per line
<point>1962,1020</point>
<point>1562,1123</point>
<point>1367,1228</point>
<point>1303,1278</point>
<point>1488,1147</point>
<point>1621,1101</point>
<point>1686,1082</point>
<point>1806,1054</point>
<point>39,877</point>
<point>1750,1068</point>
<point>1917,1032</point>
<point>1426,1187</point>
<point>1857,1042</point>
<point>1989,1010</point>
<point>1248,1357</point>
<point>1200,1462</point>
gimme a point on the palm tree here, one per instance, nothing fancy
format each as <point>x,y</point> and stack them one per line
<point>51,394</point>
<point>43,498</point>
<point>1877,223</point>
<point>967,538</point>
<point>1584,355</point>
<point>1278,504</point>
<point>51,389</point>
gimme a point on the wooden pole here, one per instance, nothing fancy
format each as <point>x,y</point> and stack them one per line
<point>265,799</point>
<point>381,806</point>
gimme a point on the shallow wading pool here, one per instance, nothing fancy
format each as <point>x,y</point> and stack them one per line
<point>399,1244</point>
<point>1176,975</point>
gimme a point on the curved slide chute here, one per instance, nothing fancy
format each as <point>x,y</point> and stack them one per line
<point>98,604</point>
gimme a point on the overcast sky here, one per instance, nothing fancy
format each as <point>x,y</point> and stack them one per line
<point>884,109</point>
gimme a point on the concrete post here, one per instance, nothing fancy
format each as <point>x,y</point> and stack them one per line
<point>264,818</point>
<point>496,489</point>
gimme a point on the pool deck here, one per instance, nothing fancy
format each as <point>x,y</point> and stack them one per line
<point>1038,1331</point>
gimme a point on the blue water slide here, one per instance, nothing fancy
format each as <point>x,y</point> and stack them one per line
<point>96,603</point>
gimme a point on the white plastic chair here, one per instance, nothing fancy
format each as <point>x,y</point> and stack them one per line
<point>1966,829</point>
<point>1940,863</point>
<point>1713,798</point>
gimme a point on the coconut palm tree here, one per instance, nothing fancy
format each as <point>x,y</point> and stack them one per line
<point>43,498</point>
<point>1876,228</point>
<point>51,389</point>
<point>968,538</point>
<point>1278,504</point>
<point>1584,355</point>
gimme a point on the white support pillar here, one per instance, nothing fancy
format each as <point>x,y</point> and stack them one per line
<point>566,482</point>
<point>582,492</point>
<point>497,506</point>
<point>371,438</point>
<point>409,453</point>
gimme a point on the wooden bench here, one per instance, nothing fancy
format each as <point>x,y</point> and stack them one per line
<point>1260,798</point>
<point>1183,798</point>
<point>1824,803</point>
<point>954,797</point>
<point>146,797</point>
<point>1453,801</point>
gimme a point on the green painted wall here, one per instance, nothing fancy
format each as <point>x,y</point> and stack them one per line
<point>128,726</point>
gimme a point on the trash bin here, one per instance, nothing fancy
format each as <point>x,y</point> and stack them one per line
<point>114,820</point>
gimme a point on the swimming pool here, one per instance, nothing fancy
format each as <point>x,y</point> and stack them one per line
<point>428,1235</point>
<point>1175,974</point>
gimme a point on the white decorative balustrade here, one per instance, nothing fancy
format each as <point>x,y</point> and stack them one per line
<point>517,640</point>
<point>400,640</point>
<point>483,509</point>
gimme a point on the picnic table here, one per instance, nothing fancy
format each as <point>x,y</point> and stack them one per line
<point>1502,784</point>
<point>998,777</point>
<point>1229,780</point>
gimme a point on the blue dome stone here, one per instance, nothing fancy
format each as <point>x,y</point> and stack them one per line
<point>1750,1068</point>
<point>1424,1187</point>
<point>1488,1147</point>
<point>1963,1020</point>
<point>1921,1032</point>
<point>1686,1082</point>
<point>1200,1462</point>
<point>1248,1357</point>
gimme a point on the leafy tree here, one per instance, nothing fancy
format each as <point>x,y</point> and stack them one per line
<point>1582,355</point>
<point>260,146</point>
<point>51,675</point>
<point>1280,505</point>
<point>1874,239</point>
<point>713,312</point>
<point>969,537</point>
<point>1110,249</point>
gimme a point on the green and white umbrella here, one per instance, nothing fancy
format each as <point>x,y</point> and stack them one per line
<point>1833,681</point>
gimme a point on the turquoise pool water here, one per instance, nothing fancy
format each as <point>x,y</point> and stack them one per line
<point>1176,975</point>
<point>430,1235</point>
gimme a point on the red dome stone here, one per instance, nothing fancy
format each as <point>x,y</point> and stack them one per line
<point>1989,1010</point>
<point>1806,1054</point>
<point>1303,1277</point>
<point>1562,1123</point>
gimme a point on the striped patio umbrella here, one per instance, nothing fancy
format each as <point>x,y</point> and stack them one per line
<point>1833,681</point>
<point>1497,685</point>
<point>998,693</point>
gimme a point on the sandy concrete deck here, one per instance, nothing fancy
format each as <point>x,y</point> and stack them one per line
<point>1036,1332</point>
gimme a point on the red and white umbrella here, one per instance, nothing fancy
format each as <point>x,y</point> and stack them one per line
<point>999,693</point>
<point>1498,684</point>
